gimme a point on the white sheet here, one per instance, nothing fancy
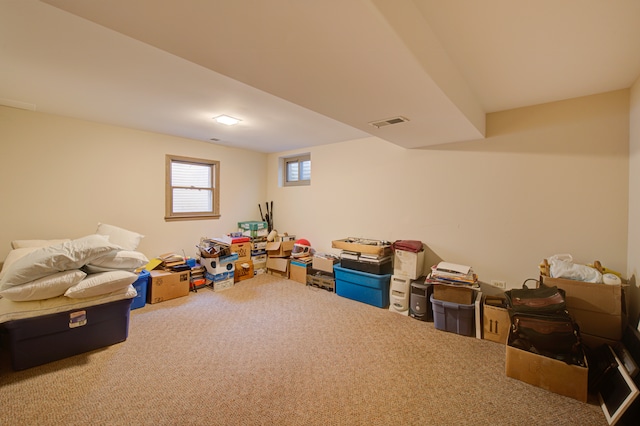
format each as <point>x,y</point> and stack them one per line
<point>10,310</point>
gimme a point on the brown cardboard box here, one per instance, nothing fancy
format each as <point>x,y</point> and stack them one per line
<point>280,248</point>
<point>243,250</point>
<point>347,244</point>
<point>278,266</point>
<point>495,319</point>
<point>298,271</point>
<point>596,308</point>
<point>165,285</point>
<point>241,273</point>
<point>455,294</point>
<point>547,373</point>
<point>324,264</point>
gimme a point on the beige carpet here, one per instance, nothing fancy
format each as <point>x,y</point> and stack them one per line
<point>275,352</point>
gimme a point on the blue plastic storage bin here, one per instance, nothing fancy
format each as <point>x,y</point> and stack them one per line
<point>141,287</point>
<point>454,317</point>
<point>372,289</point>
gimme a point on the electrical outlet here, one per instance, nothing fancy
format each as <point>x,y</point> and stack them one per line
<point>499,284</point>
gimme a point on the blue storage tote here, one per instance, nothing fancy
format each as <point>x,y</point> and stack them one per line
<point>454,317</point>
<point>141,287</point>
<point>372,289</point>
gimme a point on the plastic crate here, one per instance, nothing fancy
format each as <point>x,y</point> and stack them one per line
<point>371,289</point>
<point>141,287</point>
<point>454,317</point>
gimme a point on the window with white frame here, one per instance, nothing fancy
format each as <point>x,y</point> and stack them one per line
<point>192,188</point>
<point>296,170</point>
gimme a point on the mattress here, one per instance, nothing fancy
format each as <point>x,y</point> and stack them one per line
<point>10,310</point>
<point>57,328</point>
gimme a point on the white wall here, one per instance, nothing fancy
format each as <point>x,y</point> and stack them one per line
<point>62,176</point>
<point>547,179</point>
<point>633,255</point>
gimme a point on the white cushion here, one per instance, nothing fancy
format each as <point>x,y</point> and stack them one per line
<point>49,260</point>
<point>16,244</point>
<point>14,255</point>
<point>101,283</point>
<point>128,240</point>
<point>44,288</point>
<point>120,259</point>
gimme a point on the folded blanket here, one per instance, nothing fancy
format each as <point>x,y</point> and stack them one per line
<point>413,246</point>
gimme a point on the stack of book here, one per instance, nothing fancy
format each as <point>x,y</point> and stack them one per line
<point>169,260</point>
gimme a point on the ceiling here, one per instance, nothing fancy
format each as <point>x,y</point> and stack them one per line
<point>305,73</point>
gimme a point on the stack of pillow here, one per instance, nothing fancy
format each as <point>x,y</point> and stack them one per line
<point>93,265</point>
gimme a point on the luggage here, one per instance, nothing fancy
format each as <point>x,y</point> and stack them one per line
<point>541,324</point>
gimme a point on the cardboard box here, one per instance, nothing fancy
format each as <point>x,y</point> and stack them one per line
<point>324,264</point>
<point>220,268</point>
<point>408,264</point>
<point>165,285</point>
<point>279,248</point>
<point>596,308</point>
<point>298,271</point>
<point>243,250</point>
<point>241,272</point>
<point>548,373</point>
<point>463,295</point>
<point>495,319</point>
<point>349,244</point>
<point>278,266</point>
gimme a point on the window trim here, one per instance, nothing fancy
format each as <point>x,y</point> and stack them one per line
<point>170,215</point>
<point>299,158</point>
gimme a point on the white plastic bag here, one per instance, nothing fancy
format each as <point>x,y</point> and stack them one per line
<point>562,266</point>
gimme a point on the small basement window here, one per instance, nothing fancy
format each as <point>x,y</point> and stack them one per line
<point>192,188</point>
<point>296,170</point>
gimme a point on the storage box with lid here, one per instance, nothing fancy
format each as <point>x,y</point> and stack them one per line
<point>367,288</point>
<point>140,285</point>
<point>253,228</point>
<point>454,317</point>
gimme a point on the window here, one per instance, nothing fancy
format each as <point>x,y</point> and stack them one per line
<point>192,188</point>
<point>297,170</point>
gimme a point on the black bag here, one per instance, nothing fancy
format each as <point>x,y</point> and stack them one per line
<point>552,335</point>
<point>536,300</point>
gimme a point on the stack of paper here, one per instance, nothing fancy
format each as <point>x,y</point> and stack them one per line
<point>451,273</point>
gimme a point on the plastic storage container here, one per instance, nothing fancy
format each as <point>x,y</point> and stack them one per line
<point>454,317</point>
<point>371,289</point>
<point>141,287</point>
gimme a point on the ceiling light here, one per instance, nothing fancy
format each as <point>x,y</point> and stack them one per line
<point>225,119</point>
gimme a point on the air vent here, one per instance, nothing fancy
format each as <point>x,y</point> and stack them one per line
<point>388,121</point>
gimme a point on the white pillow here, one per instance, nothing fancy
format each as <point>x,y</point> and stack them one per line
<point>128,240</point>
<point>101,283</point>
<point>120,259</point>
<point>49,260</point>
<point>44,288</point>
<point>16,244</point>
<point>14,255</point>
